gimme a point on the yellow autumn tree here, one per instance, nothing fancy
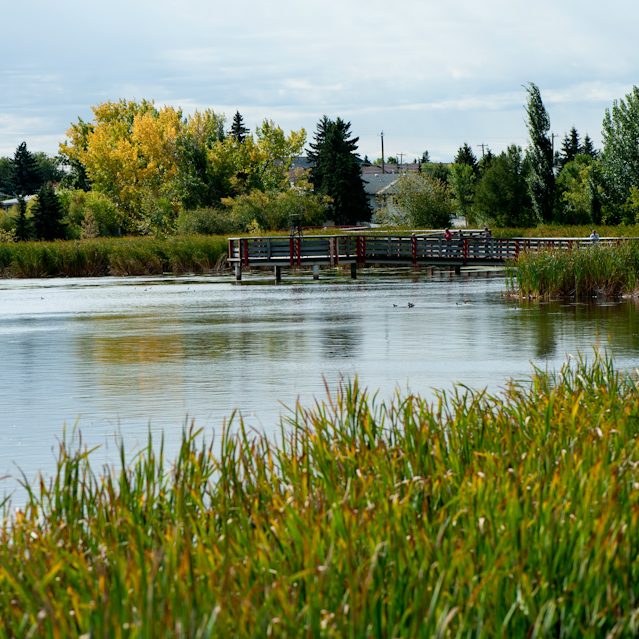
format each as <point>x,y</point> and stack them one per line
<point>129,154</point>
<point>152,162</point>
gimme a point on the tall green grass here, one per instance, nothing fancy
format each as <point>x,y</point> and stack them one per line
<point>584,273</point>
<point>476,515</point>
<point>113,256</point>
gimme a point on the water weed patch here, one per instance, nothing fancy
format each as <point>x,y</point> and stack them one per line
<point>481,515</point>
<point>608,271</point>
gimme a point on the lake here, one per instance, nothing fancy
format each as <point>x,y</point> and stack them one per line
<point>118,357</point>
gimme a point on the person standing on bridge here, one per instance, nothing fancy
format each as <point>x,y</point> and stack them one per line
<point>594,236</point>
<point>448,236</point>
<point>488,244</point>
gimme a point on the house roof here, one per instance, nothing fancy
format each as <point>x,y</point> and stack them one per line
<point>5,204</point>
<point>378,182</point>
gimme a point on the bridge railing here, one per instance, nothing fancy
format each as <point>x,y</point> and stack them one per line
<point>389,249</point>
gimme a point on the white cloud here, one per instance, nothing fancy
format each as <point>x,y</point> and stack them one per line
<point>437,71</point>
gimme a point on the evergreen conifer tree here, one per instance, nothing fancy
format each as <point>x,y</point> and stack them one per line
<point>588,148</point>
<point>238,130</point>
<point>541,177</point>
<point>485,161</point>
<point>570,148</point>
<point>23,223</point>
<point>25,171</point>
<point>47,215</point>
<point>336,171</point>
<point>465,155</point>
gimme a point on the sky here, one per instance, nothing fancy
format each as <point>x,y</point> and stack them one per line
<point>431,74</point>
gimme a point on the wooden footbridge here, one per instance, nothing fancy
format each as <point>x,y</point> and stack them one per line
<point>473,248</point>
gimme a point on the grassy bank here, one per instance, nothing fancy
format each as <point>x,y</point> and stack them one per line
<point>609,271</point>
<point>514,515</point>
<point>112,256</point>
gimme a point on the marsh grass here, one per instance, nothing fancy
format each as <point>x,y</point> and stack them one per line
<point>583,273</point>
<point>113,256</point>
<point>474,515</point>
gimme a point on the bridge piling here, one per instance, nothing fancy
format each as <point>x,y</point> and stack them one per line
<point>316,271</point>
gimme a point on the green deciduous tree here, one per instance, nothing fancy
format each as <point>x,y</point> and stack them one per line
<point>620,155</point>
<point>336,171</point>
<point>425,201</point>
<point>577,192</point>
<point>265,211</point>
<point>541,177</point>
<point>462,182</point>
<point>90,214</point>
<point>501,197</point>
<point>198,182</point>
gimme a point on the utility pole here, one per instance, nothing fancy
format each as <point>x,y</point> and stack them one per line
<point>382,136</point>
<point>401,158</point>
<point>482,145</point>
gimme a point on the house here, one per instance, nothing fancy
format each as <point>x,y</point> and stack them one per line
<point>380,189</point>
<point>7,204</point>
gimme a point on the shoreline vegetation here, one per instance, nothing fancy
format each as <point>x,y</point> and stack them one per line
<point>113,256</point>
<point>608,272</point>
<point>514,514</point>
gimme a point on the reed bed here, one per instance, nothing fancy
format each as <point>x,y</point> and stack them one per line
<point>581,273</point>
<point>113,256</point>
<point>474,515</point>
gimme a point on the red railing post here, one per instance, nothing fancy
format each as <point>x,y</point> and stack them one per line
<point>465,250</point>
<point>299,251</point>
<point>413,248</point>
<point>360,249</point>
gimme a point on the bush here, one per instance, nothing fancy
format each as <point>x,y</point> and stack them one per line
<point>90,214</point>
<point>426,201</point>
<point>206,221</point>
<point>276,209</point>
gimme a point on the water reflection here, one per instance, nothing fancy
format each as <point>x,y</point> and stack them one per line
<point>129,354</point>
<point>605,327</point>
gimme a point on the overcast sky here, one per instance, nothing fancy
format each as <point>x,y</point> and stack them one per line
<point>432,74</point>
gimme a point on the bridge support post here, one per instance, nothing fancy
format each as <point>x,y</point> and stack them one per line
<point>277,271</point>
<point>353,270</point>
<point>458,270</point>
<point>238,271</point>
<point>316,271</point>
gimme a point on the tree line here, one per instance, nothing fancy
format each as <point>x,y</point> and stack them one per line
<point>574,184</point>
<point>136,168</point>
<point>139,169</point>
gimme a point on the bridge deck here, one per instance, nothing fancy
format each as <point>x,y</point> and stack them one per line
<point>371,249</point>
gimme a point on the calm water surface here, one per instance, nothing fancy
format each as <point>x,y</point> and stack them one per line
<point>118,356</point>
